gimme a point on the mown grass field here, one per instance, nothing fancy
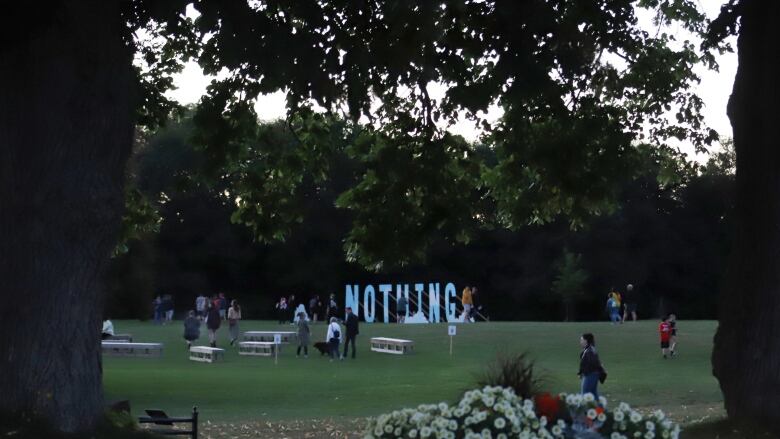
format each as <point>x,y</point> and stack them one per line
<point>243,389</point>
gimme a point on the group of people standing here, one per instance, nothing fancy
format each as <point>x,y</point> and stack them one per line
<point>468,299</point>
<point>212,312</point>
<point>285,308</point>
<point>163,309</point>
<point>333,335</point>
<point>617,301</point>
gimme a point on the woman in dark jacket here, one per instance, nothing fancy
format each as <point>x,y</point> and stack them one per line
<point>213,322</point>
<point>590,365</point>
<point>191,328</point>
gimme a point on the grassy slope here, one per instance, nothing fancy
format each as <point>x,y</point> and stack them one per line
<point>244,388</point>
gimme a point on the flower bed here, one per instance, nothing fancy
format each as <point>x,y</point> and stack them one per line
<point>496,412</point>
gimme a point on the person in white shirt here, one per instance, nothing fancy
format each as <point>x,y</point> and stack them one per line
<point>200,306</point>
<point>108,329</point>
<point>333,338</point>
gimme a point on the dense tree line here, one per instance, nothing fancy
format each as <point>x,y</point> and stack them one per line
<point>668,238</point>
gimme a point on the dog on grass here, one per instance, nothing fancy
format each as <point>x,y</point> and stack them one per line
<point>322,347</point>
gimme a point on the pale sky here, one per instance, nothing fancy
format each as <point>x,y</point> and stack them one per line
<point>714,89</point>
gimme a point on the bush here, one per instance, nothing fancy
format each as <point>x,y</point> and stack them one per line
<point>514,371</point>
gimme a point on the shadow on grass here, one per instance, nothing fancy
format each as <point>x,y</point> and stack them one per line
<point>723,429</point>
<point>112,426</point>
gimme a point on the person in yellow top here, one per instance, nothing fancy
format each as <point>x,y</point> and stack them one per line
<point>618,298</point>
<point>467,302</point>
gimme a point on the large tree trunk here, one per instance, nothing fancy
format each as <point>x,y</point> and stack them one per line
<point>746,358</point>
<point>65,134</point>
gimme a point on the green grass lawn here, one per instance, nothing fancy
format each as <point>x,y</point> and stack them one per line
<point>244,388</point>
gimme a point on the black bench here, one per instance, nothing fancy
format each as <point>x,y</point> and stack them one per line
<point>158,417</point>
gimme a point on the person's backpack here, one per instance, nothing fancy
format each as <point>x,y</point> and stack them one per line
<point>336,334</point>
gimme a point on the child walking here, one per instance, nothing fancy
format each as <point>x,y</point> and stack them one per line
<point>665,330</point>
<point>303,336</point>
<point>672,334</point>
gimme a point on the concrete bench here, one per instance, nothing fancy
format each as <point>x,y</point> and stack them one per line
<point>260,348</point>
<point>126,349</point>
<point>206,354</point>
<point>392,345</point>
<point>268,336</point>
<point>120,338</point>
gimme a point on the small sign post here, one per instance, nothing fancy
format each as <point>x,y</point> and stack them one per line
<point>277,343</point>
<point>451,331</point>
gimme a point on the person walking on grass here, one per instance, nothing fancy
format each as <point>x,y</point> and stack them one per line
<point>292,304</point>
<point>401,308</point>
<point>475,304</point>
<point>613,308</point>
<point>333,338</point>
<point>168,308</point>
<point>333,307</point>
<point>223,305</point>
<point>213,321</point>
<point>191,329</point>
<point>200,305</point>
<point>665,331</point>
<point>303,336</point>
<point>233,316</point>
<point>351,324</point>
<point>591,370</point>
<point>108,330</point>
<point>672,334</point>
<point>630,303</point>
<point>467,301</point>
<point>158,313</point>
<point>314,308</point>
<point>281,309</point>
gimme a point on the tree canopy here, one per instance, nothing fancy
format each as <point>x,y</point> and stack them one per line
<point>580,86</point>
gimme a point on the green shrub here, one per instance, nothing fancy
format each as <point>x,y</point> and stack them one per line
<point>515,371</point>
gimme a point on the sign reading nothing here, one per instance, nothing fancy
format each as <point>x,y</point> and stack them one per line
<point>424,305</point>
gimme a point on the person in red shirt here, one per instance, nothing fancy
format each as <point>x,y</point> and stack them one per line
<point>665,330</point>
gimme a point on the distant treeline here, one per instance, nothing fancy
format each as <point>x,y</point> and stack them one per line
<point>669,240</point>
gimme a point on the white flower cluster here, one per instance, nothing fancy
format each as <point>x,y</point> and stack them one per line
<point>627,423</point>
<point>496,412</point>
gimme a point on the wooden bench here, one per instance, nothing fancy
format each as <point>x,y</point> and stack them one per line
<point>268,336</point>
<point>206,354</point>
<point>159,417</point>
<point>392,345</point>
<point>121,337</point>
<point>261,348</point>
<point>126,349</point>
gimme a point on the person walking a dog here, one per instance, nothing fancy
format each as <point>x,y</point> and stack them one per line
<point>351,324</point>
<point>333,338</point>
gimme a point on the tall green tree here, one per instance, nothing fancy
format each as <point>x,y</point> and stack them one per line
<point>569,283</point>
<point>746,356</point>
